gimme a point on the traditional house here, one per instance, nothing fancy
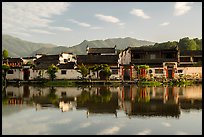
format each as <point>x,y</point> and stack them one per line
<point>16,69</point>
<point>65,62</point>
<point>162,62</point>
<point>190,64</point>
<point>100,56</point>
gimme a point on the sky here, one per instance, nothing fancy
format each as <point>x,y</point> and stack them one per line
<point>70,23</point>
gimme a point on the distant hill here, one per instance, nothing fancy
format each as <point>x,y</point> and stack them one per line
<point>13,45</point>
<point>18,48</point>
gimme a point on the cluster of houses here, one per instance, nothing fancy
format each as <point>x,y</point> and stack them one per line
<point>163,63</point>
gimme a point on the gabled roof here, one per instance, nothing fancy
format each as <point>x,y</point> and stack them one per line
<point>45,61</point>
<point>97,59</point>
<point>101,50</point>
<point>152,48</point>
<point>69,65</point>
<point>191,53</point>
<point>12,60</point>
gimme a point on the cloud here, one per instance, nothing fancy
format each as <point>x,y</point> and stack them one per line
<point>110,19</point>
<point>181,133</point>
<point>96,28</point>
<point>61,28</point>
<point>19,17</point>
<point>181,8</point>
<point>139,13</point>
<point>166,124</point>
<point>84,125</point>
<point>83,24</point>
<point>41,31</point>
<point>110,131</point>
<point>164,24</point>
<point>145,132</point>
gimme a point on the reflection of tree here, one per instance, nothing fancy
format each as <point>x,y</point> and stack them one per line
<point>4,97</point>
<point>52,96</point>
<point>142,95</point>
<point>103,95</point>
<point>84,97</point>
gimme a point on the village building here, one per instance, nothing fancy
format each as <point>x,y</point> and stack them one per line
<point>64,61</point>
<point>100,56</point>
<point>19,68</point>
<point>162,62</point>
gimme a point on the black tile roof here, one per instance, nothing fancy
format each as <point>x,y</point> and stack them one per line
<point>101,50</point>
<point>152,48</point>
<point>97,59</point>
<point>12,60</point>
<point>69,65</point>
<point>45,61</point>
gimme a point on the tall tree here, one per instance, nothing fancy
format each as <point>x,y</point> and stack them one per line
<point>83,69</point>
<point>5,68</point>
<point>187,44</point>
<point>52,69</point>
<point>5,54</point>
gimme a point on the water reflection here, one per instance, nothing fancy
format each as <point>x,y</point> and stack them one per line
<point>134,101</point>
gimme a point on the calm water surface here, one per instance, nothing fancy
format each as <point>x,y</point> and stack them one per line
<point>102,110</point>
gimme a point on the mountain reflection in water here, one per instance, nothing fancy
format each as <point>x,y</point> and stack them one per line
<point>133,100</point>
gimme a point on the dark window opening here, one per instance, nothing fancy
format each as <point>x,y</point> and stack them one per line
<point>180,71</point>
<point>114,71</point>
<point>63,72</point>
<point>10,71</point>
<point>159,71</point>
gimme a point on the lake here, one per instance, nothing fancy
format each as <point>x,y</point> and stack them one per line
<point>102,110</point>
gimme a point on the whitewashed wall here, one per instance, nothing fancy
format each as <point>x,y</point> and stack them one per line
<point>17,74</point>
<point>70,74</point>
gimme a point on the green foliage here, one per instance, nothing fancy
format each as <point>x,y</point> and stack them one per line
<point>187,44</point>
<point>83,69</point>
<point>105,72</point>
<point>52,69</point>
<point>5,54</point>
<point>5,69</point>
<point>52,96</point>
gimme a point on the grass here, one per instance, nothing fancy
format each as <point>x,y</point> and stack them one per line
<point>63,83</point>
<point>149,83</point>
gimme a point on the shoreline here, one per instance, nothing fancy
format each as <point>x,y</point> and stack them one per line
<point>68,83</point>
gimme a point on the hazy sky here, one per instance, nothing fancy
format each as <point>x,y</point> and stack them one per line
<point>68,24</point>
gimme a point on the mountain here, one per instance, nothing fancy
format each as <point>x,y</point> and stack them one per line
<point>13,45</point>
<point>19,48</point>
<point>121,43</point>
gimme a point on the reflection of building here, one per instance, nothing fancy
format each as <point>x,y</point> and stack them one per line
<point>149,101</point>
<point>190,97</point>
<point>135,101</point>
<point>102,100</point>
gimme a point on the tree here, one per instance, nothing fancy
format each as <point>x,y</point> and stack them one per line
<point>83,69</point>
<point>52,69</point>
<point>198,43</point>
<point>5,68</point>
<point>96,68</point>
<point>187,44</point>
<point>5,54</point>
<point>105,72</point>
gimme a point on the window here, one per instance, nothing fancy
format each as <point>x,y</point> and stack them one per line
<point>152,56</point>
<point>180,71</point>
<point>63,72</point>
<point>10,71</point>
<point>159,71</point>
<point>114,71</point>
<point>63,94</point>
<point>150,71</point>
<point>65,60</point>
